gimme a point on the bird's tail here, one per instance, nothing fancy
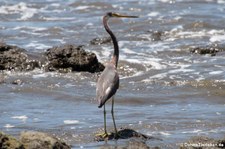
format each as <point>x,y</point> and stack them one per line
<point>100,105</point>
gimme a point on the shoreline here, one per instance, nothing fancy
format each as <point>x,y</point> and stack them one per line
<point>34,139</point>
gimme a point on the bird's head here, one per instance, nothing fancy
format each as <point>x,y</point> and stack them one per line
<point>117,15</point>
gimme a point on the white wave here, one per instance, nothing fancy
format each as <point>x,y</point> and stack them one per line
<point>81,7</point>
<point>215,32</point>
<point>106,51</point>
<point>68,85</point>
<point>216,72</point>
<point>165,1</point>
<point>36,74</point>
<point>192,132</point>
<point>181,68</point>
<point>58,18</point>
<point>190,34</point>
<point>165,133</point>
<point>153,14</point>
<point>157,76</point>
<point>29,28</point>
<point>178,33</point>
<point>220,1</point>
<point>36,45</point>
<point>55,4</point>
<point>217,38</point>
<point>128,51</point>
<point>156,65</point>
<point>9,126</point>
<point>42,75</point>
<point>69,122</point>
<point>21,8</point>
<point>131,60</point>
<point>22,117</point>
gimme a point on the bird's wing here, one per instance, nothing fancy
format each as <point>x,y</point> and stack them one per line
<point>107,85</point>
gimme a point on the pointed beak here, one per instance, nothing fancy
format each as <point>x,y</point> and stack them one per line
<point>123,16</point>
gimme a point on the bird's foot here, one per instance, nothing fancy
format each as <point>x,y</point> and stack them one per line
<point>102,135</point>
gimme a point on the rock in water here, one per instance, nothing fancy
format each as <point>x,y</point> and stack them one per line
<point>211,50</point>
<point>14,58</point>
<point>2,78</point>
<point>40,140</point>
<point>8,142</point>
<point>72,58</point>
<point>126,134</point>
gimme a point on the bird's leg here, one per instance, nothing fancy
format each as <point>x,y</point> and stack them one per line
<point>114,123</point>
<point>105,134</point>
<point>105,122</point>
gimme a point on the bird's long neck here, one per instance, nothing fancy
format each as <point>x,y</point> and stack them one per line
<point>115,57</point>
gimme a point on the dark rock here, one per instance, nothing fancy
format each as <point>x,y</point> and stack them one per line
<point>126,134</point>
<point>64,58</point>
<point>156,35</point>
<point>17,82</point>
<point>8,142</point>
<point>207,50</point>
<point>5,47</point>
<point>72,58</point>
<point>14,58</point>
<point>221,143</point>
<point>99,41</point>
<point>37,140</point>
<point>202,142</point>
<point>2,79</point>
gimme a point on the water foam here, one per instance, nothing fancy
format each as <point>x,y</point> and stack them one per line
<point>164,133</point>
<point>82,7</point>
<point>37,46</point>
<point>217,38</point>
<point>9,126</point>
<point>213,35</point>
<point>192,131</point>
<point>216,72</point>
<point>22,117</point>
<point>153,14</point>
<point>70,122</point>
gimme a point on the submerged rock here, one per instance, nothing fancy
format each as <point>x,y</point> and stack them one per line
<point>2,79</point>
<point>37,140</point>
<point>72,58</point>
<point>9,142</point>
<point>156,35</point>
<point>17,82</point>
<point>207,50</point>
<point>15,58</point>
<point>125,134</point>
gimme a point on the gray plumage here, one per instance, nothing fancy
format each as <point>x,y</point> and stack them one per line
<point>107,85</point>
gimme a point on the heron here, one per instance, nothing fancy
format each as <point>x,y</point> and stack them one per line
<point>108,81</point>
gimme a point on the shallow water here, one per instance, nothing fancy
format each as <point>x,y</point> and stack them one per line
<point>165,91</point>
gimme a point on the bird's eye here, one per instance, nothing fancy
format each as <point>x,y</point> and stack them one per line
<point>110,14</point>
